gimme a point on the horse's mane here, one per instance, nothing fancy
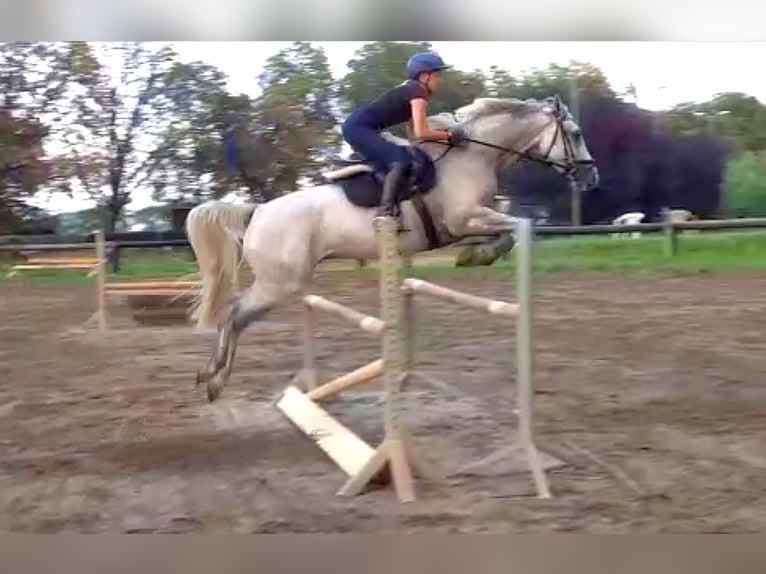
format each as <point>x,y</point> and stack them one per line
<point>480,107</point>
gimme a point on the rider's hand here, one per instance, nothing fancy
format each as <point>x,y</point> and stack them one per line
<point>457,137</point>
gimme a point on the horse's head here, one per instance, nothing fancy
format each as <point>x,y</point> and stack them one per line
<point>543,131</point>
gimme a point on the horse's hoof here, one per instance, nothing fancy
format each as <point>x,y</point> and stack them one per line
<point>464,258</point>
<point>476,257</point>
<point>213,392</point>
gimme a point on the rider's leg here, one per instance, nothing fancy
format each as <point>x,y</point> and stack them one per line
<point>383,154</point>
<point>392,187</point>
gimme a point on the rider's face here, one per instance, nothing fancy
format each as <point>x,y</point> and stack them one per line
<point>431,80</point>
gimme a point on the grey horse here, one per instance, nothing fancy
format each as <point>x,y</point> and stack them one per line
<point>284,240</point>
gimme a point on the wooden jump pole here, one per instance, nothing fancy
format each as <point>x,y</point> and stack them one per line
<point>366,322</point>
<point>153,285</point>
<point>351,379</point>
<point>479,303</point>
<point>309,373</point>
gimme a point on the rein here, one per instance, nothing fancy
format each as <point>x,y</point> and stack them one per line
<point>569,167</point>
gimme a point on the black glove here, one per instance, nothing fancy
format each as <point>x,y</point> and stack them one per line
<point>457,137</point>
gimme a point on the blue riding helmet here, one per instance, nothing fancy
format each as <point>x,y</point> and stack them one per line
<point>424,62</point>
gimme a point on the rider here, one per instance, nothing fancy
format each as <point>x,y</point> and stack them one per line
<point>406,102</point>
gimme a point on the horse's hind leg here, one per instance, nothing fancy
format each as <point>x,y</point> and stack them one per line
<point>277,278</point>
<point>249,307</point>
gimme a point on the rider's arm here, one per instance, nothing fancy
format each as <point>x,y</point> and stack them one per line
<point>420,125</point>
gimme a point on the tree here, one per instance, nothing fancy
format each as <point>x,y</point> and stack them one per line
<point>587,79</point>
<point>501,84</point>
<point>643,165</point>
<point>295,118</point>
<point>23,168</point>
<point>190,161</point>
<point>736,118</point>
<point>745,183</point>
<point>121,110</point>
<point>33,79</point>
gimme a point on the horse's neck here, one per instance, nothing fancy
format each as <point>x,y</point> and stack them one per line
<point>464,181</point>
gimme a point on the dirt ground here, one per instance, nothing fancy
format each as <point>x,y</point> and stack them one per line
<point>650,389</point>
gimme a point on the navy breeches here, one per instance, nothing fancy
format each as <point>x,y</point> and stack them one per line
<point>373,147</point>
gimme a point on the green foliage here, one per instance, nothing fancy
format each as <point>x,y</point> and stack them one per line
<point>33,79</point>
<point>188,161</point>
<point>745,186</point>
<point>736,118</point>
<point>295,117</point>
<point>708,252</point>
<point>578,79</point>
<point>698,252</point>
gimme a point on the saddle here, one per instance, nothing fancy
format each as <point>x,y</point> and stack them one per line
<point>348,166</point>
<point>362,182</point>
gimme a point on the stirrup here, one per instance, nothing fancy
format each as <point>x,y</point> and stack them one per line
<point>393,210</point>
<point>400,228</point>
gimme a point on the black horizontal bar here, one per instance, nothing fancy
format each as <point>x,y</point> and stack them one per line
<point>176,239</point>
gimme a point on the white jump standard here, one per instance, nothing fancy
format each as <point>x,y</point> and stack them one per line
<point>522,312</point>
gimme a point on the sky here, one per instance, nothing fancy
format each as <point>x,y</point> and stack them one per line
<point>664,73</point>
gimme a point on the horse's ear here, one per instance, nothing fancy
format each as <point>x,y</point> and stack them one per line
<point>560,108</point>
<point>549,105</point>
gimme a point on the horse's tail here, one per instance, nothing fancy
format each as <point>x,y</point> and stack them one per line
<point>215,230</point>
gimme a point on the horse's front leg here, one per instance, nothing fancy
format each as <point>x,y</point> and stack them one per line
<point>489,219</point>
<point>486,221</point>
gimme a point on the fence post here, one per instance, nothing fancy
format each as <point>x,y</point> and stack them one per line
<point>671,235</point>
<point>114,257</point>
<point>98,236</point>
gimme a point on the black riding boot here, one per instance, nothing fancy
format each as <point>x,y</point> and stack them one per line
<point>389,203</point>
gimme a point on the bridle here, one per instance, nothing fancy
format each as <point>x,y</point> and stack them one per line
<point>570,165</point>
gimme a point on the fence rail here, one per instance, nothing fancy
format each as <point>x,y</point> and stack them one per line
<point>699,225</point>
<point>157,240</point>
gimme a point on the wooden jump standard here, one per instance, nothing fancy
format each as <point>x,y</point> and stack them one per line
<point>75,256</point>
<point>70,256</point>
<point>150,288</point>
<point>357,459</point>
